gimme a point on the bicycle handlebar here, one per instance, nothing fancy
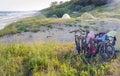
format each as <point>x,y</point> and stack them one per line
<point>82,32</point>
<point>74,31</point>
<point>77,30</point>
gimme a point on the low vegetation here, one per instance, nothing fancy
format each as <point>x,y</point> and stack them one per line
<point>31,24</point>
<point>59,12</point>
<point>40,59</point>
<point>79,6</point>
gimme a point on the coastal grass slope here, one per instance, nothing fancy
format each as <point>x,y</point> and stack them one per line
<point>47,59</point>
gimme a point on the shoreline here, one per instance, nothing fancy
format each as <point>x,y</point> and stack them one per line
<point>8,20</point>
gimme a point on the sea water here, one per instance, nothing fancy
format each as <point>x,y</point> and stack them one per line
<point>7,17</point>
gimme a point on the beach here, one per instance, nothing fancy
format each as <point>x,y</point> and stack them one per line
<point>8,18</point>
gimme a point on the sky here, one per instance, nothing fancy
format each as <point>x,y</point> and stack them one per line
<point>25,5</point>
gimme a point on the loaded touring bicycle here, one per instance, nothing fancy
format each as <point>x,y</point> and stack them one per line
<point>95,47</point>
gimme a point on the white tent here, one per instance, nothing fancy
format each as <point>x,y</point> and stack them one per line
<point>66,16</point>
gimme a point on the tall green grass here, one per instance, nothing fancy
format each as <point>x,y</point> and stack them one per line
<point>45,59</point>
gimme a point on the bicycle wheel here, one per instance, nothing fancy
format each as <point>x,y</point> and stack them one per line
<point>106,52</point>
<point>110,51</point>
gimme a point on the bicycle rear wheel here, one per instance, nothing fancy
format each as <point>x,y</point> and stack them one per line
<point>107,52</point>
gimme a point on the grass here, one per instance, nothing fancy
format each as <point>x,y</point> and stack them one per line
<point>45,59</point>
<point>31,24</point>
<point>109,11</point>
<point>115,69</point>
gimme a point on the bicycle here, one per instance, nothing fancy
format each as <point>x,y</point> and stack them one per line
<point>80,39</point>
<point>81,46</point>
<point>105,50</point>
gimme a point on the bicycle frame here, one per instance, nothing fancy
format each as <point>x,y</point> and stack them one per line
<point>80,40</point>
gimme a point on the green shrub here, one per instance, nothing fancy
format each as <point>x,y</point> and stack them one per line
<point>100,2</point>
<point>87,8</point>
<point>86,27</point>
<point>23,26</point>
<point>58,11</point>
